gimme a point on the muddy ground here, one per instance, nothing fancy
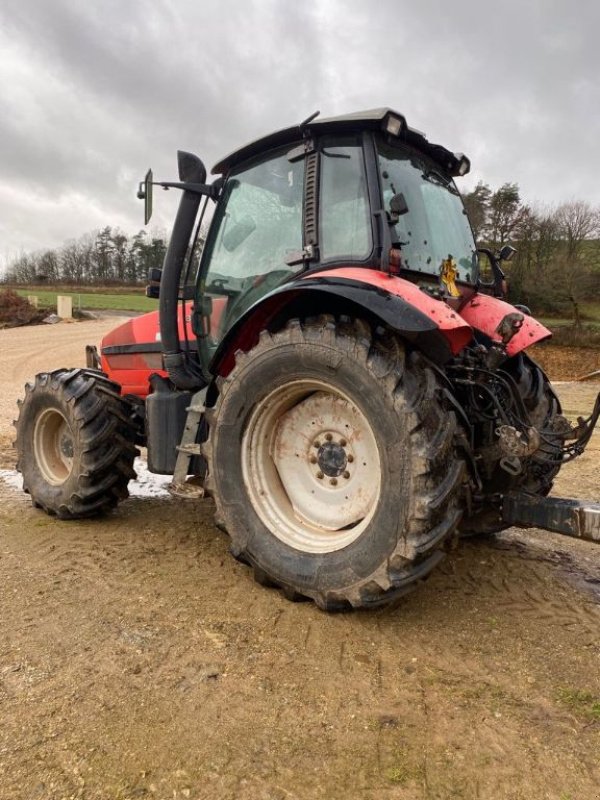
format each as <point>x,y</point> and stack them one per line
<point>138,660</point>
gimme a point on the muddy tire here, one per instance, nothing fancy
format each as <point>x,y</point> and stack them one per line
<point>544,409</point>
<point>75,443</point>
<point>332,464</point>
<point>537,478</point>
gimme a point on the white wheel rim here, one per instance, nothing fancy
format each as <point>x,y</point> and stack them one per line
<point>311,466</point>
<point>53,446</point>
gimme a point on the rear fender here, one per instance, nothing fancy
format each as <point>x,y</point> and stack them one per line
<point>485,313</point>
<point>429,324</point>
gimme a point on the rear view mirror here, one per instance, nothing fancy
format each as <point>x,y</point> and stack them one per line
<point>398,207</point>
<point>145,193</point>
<point>506,253</point>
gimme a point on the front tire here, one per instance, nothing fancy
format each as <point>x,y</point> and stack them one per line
<point>331,460</point>
<point>75,443</point>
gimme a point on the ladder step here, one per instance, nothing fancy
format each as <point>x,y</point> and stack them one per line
<point>190,449</point>
<point>186,491</point>
<point>196,409</point>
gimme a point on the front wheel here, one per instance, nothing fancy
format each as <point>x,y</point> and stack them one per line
<point>75,443</point>
<point>331,460</point>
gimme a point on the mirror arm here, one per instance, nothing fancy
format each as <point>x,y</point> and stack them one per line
<point>385,238</point>
<point>498,283</point>
<point>212,190</point>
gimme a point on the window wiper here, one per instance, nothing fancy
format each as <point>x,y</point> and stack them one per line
<point>438,180</point>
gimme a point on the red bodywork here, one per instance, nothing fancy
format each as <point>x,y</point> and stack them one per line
<point>140,356</point>
<point>457,332</point>
<point>484,313</point>
<point>132,352</point>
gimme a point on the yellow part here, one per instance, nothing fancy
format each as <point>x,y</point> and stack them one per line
<point>448,275</point>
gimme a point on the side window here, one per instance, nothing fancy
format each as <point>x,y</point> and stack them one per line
<point>345,224</point>
<point>257,227</point>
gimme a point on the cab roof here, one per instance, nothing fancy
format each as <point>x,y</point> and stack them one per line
<point>373,119</point>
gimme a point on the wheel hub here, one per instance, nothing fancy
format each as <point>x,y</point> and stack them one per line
<point>312,466</point>
<point>53,446</point>
<point>332,459</point>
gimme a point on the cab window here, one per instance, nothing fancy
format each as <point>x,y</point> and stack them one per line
<point>257,228</point>
<point>345,225</point>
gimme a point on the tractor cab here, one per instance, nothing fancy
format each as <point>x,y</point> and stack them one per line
<point>362,190</point>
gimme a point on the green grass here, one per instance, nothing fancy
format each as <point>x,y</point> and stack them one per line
<point>581,702</point>
<point>590,313</point>
<point>94,300</point>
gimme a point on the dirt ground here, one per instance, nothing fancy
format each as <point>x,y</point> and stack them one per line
<point>139,660</point>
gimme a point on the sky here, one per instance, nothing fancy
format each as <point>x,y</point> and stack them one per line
<point>93,93</point>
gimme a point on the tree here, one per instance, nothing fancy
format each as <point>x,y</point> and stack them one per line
<point>506,214</point>
<point>578,222</point>
<point>103,252</point>
<point>120,254</point>
<point>477,205</point>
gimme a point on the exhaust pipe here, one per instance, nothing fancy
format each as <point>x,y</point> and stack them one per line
<point>184,373</point>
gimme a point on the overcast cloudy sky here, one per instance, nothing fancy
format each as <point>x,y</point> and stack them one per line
<point>93,92</point>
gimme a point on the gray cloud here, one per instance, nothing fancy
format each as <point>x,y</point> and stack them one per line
<point>93,93</point>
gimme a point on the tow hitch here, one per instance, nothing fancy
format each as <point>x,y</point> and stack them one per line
<point>577,518</point>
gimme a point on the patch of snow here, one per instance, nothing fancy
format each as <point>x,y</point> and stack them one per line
<point>146,484</point>
<point>12,478</point>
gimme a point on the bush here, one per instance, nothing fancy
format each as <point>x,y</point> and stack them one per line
<point>16,310</point>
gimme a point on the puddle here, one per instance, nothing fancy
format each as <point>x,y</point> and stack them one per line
<point>578,565</point>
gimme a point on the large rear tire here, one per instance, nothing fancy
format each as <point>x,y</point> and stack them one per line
<point>332,463</point>
<point>75,443</point>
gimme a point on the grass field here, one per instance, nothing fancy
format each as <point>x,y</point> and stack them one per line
<point>107,300</point>
<point>590,316</point>
<point>121,298</point>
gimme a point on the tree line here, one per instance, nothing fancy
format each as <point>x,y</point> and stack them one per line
<point>106,257</point>
<point>556,267</point>
<point>557,264</point>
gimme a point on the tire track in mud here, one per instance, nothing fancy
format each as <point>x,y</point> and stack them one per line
<point>526,581</point>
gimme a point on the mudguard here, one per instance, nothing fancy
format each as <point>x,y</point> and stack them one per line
<point>484,313</point>
<point>430,324</point>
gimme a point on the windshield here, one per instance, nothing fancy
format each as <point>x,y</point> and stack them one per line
<point>435,231</point>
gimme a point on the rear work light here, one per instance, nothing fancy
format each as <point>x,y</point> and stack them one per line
<point>464,165</point>
<point>393,125</point>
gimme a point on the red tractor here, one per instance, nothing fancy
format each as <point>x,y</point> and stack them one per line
<point>334,371</point>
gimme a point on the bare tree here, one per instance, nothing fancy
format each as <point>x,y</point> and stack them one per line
<point>578,222</point>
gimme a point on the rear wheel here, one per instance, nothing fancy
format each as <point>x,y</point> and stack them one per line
<point>331,460</point>
<point>75,443</point>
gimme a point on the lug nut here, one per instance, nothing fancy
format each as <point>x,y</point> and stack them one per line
<point>333,481</point>
<point>317,444</point>
<point>319,475</point>
<point>343,443</point>
<point>328,436</point>
<point>346,474</point>
<point>313,459</point>
<point>350,458</point>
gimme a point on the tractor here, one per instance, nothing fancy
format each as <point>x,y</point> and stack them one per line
<point>335,370</point>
